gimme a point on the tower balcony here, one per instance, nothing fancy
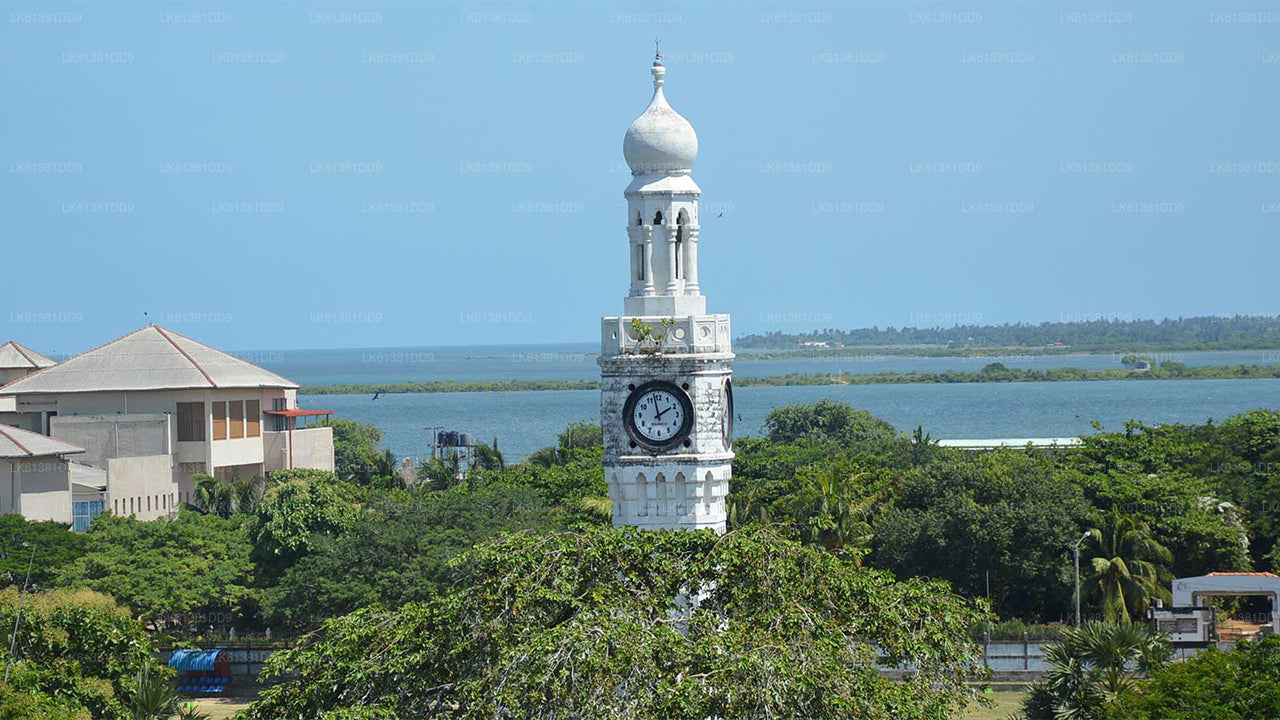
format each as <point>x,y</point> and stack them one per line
<point>691,334</point>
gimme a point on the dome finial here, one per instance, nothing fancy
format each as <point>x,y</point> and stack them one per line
<point>657,69</point>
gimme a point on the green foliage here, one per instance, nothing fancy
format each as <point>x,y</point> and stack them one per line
<point>598,624</point>
<point>826,421</point>
<point>167,570</point>
<point>356,454</point>
<point>1195,333</point>
<point>55,546</point>
<point>967,515</point>
<point>152,695</point>
<point>226,499</point>
<point>1126,568</point>
<point>292,516</point>
<point>577,473</point>
<point>579,435</point>
<point>1240,684</point>
<point>76,655</point>
<point>1091,667</point>
<point>398,551</point>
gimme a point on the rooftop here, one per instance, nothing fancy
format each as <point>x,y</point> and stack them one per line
<point>15,355</point>
<point>19,443</point>
<point>150,358</point>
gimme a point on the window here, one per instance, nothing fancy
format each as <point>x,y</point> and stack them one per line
<point>252,419</point>
<point>148,503</point>
<point>277,423</point>
<point>279,403</point>
<point>237,419</point>
<point>83,513</point>
<point>191,422</point>
<point>219,421</point>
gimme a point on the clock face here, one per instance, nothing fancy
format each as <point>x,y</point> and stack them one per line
<point>658,415</point>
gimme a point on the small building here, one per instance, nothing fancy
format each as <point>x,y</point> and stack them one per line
<point>35,475</point>
<point>154,408</point>
<point>1192,623</point>
<point>18,360</point>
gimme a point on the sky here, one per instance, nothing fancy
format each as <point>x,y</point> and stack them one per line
<point>312,175</point>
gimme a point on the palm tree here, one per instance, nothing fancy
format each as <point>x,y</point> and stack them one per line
<point>152,696</point>
<point>489,457</point>
<point>831,510</point>
<point>1092,666</point>
<point>1128,567</point>
<point>443,472</point>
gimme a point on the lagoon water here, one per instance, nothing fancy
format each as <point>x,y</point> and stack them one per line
<point>525,421</point>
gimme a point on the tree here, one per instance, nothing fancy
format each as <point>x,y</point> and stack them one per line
<point>441,473</point>
<point>1240,684</point>
<point>1091,667</point>
<point>227,498</point>
<point>579,435</point>
<point>55,546</point>
<point>356,457</point>
<point>608,623</point>
<point>167,570</point>
<point>152,695</point>
<point>826,420</point>
<point>399,551</point>
<point>76,654</point>
<point>292,516</point>
<point>1127,567</point>
<point>1001,522</point>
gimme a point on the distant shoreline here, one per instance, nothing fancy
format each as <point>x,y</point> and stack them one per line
<point>990,374</point>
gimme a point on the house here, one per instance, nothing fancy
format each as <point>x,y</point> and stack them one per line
<point>1193,623</point>
<point>18,360</point>
<point>35,475</point>
<point>154,408</point>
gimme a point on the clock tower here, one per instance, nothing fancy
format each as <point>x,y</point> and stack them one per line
<point>666,399</point>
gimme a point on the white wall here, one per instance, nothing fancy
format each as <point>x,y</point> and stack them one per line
<point>146,481</point>
<point>37,488</point>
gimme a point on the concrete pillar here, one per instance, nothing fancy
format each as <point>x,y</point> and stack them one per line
<point>673,285</point>
<point>691,260</point>
<point>648,261</point>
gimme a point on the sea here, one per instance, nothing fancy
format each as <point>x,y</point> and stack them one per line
<point>522,422</point>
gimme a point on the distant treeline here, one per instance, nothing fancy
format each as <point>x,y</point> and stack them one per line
<point>1241,332</point>
<point>995,372</point>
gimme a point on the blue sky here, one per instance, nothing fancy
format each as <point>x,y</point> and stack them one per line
<point>292,175</point>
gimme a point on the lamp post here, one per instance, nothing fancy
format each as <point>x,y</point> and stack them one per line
<point>1077,552</point>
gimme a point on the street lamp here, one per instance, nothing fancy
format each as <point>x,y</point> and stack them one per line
<point>1083,537</point>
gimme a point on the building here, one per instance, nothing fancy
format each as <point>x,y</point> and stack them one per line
<point>19,361</point>
<point>35,475</point>
<point>153,408</point>
<point>666,400</point>
<point>1192,623</point>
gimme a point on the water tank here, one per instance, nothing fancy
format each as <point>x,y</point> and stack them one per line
<point>464,439</point>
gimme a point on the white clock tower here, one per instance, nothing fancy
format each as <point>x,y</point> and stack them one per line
<point>666,400</point>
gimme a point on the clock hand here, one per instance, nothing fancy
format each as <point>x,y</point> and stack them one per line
<point>659,415</point>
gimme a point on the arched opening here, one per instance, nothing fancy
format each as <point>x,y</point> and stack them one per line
<point>637,263</point>
<point>657,218</point>
<point>639,220</point>
<point>681,221</point>
<point>706,491</point>
<point>642,495</point>
<point>660,489</point>
<point>682,494</point>
<point>615,493</point>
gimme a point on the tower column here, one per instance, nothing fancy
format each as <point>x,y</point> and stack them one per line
<point>673,285</point>
<point>635,253</point>
<point>648,289</point>
<point>691,260</point>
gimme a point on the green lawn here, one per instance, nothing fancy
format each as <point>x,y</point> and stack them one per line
<point>1007,703</point>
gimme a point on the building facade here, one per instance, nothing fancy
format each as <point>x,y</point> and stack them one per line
<point>152,409</point>
<point>666,401</point>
